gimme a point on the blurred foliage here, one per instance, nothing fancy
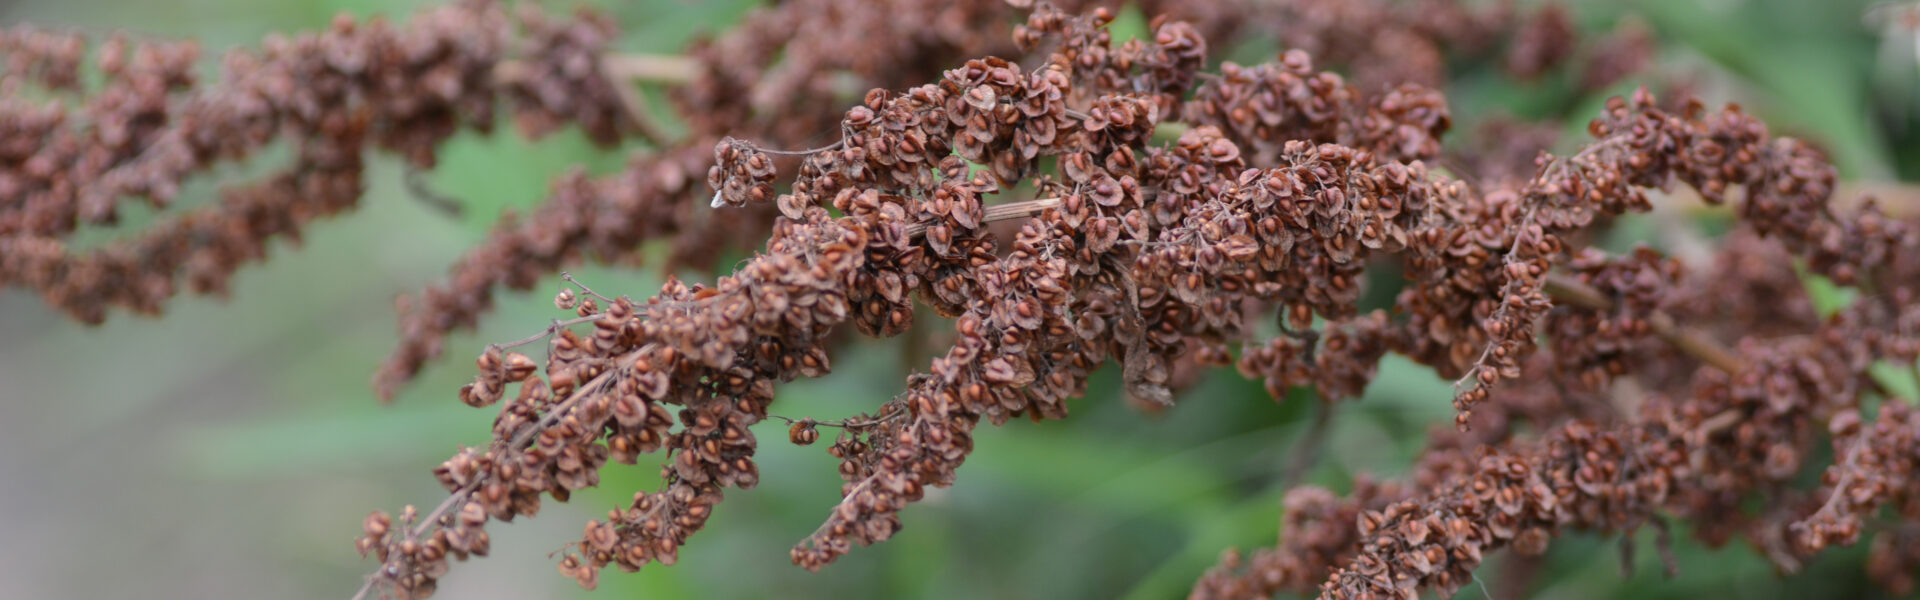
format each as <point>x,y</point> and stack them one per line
<point>251,418</point>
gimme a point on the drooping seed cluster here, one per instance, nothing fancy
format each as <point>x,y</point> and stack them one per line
<point>1283,186</point>
<point>1673,457</point>
<point>204,247</point>
<point>1384,43</point>
<point>1019,352</point>
<point>1316,535</point>
<point>150,125</point>
<point>1140,254</point>
<point>66,167</point>
<point>1695,458</point>
<point>1577,477</point>
<point>712,352</point>
<point>781,61</point>
<point>1279,189</point>
<point>1740,429</point>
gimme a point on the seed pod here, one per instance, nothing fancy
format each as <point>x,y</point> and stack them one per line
<point>803,433</point>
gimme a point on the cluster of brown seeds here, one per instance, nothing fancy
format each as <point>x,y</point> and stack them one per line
<point>150,124</point>
<point>1696,459</point>
<point>1877,462</point>
<point>781,61</point>
<point>1284,188</point>
<point>1591,347</point>
<point>49,59</point>
<point>712,352</point>
<point>1272,192</point>
<point>1338,366</point>
<point>1747,423</point>
<point>1263,107</point>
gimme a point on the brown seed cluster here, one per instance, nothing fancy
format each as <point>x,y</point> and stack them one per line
<point>1546,40</point>
<point>563,79</point>
<point>1263,107</point>
<point>1578,477</point>
<point>1736,433</point>
<point>1271,193</point>
<point>150,124</point>
<point>48,59</point>
<point>1591,347</point>
<point>1285,186</point>
<point>1339,366</point>
<point>1670,459</point>
<point>712,352</point>
<point>1316,535</point>
<point>1386,43</point>
<point>1876,466</point>
<point>1696,458</point>
<point>784,61</point>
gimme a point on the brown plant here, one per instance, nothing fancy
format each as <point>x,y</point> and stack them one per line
<point>1067,202</point>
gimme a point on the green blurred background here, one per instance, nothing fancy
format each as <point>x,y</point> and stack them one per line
<point>230,449</point>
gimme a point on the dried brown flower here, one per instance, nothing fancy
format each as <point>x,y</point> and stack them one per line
<point>1174,211</point>
<point>1285,186</point>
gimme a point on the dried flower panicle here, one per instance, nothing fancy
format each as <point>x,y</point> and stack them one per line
<point>1283,187</point>
<point>1384,43</point>
<point>1734,434</point>
<point>1147,255</point>
<point>763,63</point>
<point>1271,192</point>
<point>605,396</point>
<point>151,124</point>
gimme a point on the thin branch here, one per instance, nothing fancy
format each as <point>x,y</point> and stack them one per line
<point>415,179</point>
<point>998,212</point>
<point>633,105</point>
<point>568,277</point>
<point>655,68</point>
<point>1846,478</point>
<point>807,152</point>
<point>1896,198</point>
<point>646,68</point>
<point>1689,341</point>
<point>621,71</point>
<point>552,328</point>
<point>847,424</point>
<point>1306,452</point>
<point>1720,422</point>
